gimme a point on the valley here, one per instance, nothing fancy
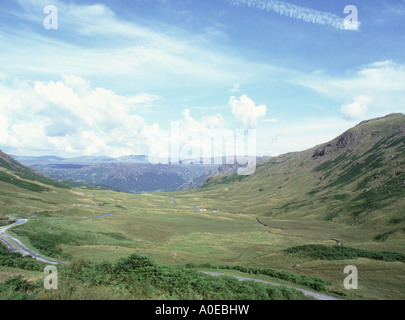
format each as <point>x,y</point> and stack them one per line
<point>133,174</point>
<point>306,214</point>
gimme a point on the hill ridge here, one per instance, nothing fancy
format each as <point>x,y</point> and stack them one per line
<point>355,178</point>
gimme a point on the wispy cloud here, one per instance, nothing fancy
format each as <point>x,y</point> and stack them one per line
<point>295,12</point>
<point>93,41</point>
<point>377,88</point>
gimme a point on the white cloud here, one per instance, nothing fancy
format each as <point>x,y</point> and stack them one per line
<point>296,12</point>
<point>69,116</point>
<point>246,111</point>
<point>189,138</point>
<point>357,109</point>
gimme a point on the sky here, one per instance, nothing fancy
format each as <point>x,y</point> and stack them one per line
<point>110,78</point>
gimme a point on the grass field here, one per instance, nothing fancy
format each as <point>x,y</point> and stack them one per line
<point>175,233</point>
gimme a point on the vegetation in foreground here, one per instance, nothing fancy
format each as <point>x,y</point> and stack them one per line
<point>137,277</point>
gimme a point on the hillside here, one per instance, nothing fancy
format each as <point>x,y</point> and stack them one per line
<point>14,173</point>
<point>357,178</point>
<point>25,192</point>
<point>8,162</point>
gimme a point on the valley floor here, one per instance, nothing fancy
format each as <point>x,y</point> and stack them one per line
<point>178,233</point>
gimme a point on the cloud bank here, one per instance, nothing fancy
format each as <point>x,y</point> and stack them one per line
<point>72,118</point>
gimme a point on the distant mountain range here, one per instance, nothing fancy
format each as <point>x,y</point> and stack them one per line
<point>134,174</point>
<point>29,160</point>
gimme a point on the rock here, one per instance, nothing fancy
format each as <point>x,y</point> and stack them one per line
<point>319,153</point>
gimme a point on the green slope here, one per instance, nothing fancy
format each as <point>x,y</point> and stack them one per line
<point>25,192</point>
<point>357,178</point>
<point>14,173</point>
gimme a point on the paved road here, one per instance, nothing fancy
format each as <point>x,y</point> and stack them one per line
<point>15,245</point>
<point>316,295</point>
<point>104,215</point>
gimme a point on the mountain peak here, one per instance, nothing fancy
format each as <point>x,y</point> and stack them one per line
<point>364,135</point>
<point>392,116</point>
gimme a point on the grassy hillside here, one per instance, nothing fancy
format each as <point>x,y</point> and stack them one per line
<point>25,192</point>
<point>357,178</point>
<point>14,173</point>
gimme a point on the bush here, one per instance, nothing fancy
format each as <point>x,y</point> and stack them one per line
<point>16,260</point>
<point>324,252</point>
<point>315,283</point>
<point>17,283</point>
<point>176,282</point>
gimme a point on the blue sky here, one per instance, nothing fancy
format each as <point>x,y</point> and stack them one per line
<point>115,74</point>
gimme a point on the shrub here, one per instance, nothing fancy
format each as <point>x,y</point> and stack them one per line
<point>176,282</point>
<point>17,283</point>
<point>16,260</point>
<point>324,252</point>
<point>315,283</point>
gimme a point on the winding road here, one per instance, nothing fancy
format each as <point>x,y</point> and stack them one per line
<point>15,245</point>
<point>316,295</point>
<point>104,215</point>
